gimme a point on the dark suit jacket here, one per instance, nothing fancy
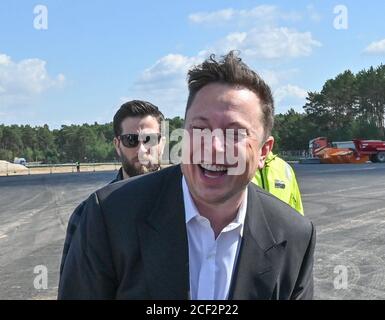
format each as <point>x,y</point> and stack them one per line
<point>131,243</point>
<point>74,221</point>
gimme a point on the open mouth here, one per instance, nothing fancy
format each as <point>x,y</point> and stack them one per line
<point>213,171</point>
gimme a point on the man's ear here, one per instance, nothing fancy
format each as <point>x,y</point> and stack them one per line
<point>265,150</point>
<point>117,144</point>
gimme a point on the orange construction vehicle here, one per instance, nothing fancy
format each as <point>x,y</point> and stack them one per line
<point>355,151</point>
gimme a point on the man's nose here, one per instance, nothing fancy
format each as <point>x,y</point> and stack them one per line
<point>142,148</point>
<point>218,144</point>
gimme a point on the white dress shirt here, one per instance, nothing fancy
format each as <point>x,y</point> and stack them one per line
<point>211,261</point>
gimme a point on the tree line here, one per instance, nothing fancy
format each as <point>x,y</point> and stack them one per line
<point>348,106</point>
<point>84,143</point>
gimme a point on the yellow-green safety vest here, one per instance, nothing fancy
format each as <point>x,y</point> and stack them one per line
<point>278,178</point>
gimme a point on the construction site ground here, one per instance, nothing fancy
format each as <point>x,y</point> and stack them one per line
<point>345,202</point>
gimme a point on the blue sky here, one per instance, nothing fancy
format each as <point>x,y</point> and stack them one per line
<point>95,55</point>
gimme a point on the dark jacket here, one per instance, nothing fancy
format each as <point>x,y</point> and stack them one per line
<point>132,244</point>
<point>74,221</point>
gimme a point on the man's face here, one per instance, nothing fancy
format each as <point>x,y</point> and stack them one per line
<point>220,106</point>
<point>142,158</point>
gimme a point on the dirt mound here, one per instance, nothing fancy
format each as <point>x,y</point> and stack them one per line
<point>11,168</point>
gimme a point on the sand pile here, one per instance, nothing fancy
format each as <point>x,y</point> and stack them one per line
<point>11,167</point>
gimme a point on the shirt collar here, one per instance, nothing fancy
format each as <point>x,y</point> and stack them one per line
<point>119,176</point>
<point>189,205</point>
<point>191,210</point>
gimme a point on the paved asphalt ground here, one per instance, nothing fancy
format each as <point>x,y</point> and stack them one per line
<point>345,202</point>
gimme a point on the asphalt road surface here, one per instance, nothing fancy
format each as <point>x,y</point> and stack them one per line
<point>345,202</point>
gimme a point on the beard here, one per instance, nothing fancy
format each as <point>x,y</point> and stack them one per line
<point>135,168</point>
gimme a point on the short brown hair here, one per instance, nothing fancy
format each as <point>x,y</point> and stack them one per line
<point>135,108</point>
<point>231,70</point>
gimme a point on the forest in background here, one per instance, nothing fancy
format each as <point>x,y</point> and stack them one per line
<point>83,143</point>
<point>348,106</point>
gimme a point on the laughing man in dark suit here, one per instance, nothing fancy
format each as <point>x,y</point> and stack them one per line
<point>199,230</point>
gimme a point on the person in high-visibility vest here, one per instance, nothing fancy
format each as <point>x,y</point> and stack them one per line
<point>278,178</point>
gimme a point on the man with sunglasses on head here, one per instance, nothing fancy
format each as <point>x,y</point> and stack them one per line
<point>139,144</point>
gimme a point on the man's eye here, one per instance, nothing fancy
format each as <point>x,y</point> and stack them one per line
<point>236,134</point>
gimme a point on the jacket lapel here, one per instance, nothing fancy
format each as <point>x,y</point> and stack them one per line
<point>260,256</point>
<point>163,240</point>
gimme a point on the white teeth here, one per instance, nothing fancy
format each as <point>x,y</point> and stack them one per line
<point>212,167</point>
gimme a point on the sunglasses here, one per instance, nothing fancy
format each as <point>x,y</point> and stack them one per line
<point>131,140</point>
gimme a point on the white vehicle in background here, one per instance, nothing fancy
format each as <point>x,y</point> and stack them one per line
<point>21,161</point>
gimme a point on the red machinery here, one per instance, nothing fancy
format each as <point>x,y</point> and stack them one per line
<point>355,151</point>
<point>375,149</point>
